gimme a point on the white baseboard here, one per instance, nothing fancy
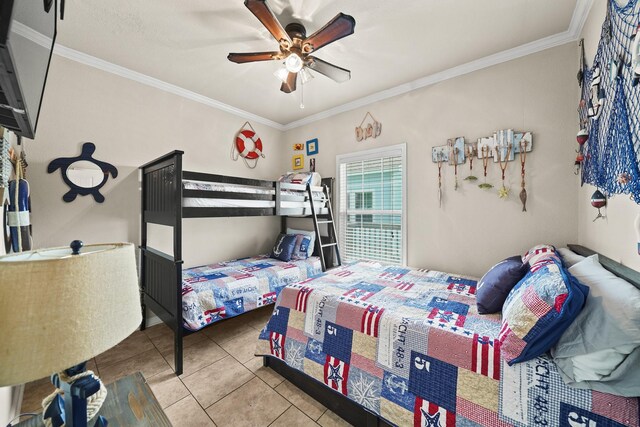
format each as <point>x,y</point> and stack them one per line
<point>152,319</point>
<point>12,398</point>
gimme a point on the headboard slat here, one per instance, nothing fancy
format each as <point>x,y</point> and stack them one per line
<point>616,268</point>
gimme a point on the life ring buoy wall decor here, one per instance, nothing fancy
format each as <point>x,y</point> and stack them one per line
<point>247,145</point>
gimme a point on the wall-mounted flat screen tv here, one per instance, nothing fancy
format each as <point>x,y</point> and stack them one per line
<point>27,36</point>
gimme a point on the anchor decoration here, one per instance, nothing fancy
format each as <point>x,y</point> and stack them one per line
<point>598,201</point>
<point>63,163</point>
<point>82,387</point>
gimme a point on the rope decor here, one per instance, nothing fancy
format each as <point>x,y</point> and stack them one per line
<point>610,106</point>
<point>503,192</point>
<point>440,161</point>
<point>94,402</point>
<point>523,161</point>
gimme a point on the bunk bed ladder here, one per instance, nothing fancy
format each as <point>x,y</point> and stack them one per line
<point>331,228</point>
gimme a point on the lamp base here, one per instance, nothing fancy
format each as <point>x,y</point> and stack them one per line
<point>83,393</point>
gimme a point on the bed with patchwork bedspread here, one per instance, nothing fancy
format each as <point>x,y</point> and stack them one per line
<point>410,347</point>
<point>218,291</point>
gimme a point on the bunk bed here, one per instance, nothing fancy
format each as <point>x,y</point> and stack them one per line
<point>171,194</point>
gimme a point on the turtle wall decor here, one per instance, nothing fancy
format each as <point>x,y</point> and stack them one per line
<point>64,163</point>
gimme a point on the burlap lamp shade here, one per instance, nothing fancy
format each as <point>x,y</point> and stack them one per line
<point>59,309</point>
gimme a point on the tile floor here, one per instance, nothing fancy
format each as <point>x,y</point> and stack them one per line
<point>223,383</point>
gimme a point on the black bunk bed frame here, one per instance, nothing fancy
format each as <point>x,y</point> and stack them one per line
<point>162,194</point>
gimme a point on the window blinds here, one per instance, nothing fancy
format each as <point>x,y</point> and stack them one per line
<point>371,204</point>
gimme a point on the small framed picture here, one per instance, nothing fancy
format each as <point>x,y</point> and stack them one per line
<point>312,164</point>
<point>298,147</point>
<point>297,162</point>
<point>312,147</point>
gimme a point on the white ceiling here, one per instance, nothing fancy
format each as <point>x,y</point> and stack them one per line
<point>185,43</point>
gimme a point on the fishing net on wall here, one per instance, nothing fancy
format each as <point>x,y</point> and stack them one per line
<point>612,152</point>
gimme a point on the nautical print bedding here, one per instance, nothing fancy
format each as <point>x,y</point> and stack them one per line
<point>410,346</point>
<point>217,291</point>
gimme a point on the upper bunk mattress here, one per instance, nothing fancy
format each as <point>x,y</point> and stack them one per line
<point>217,291</point>
<point>410,346</point>
<point>295,199</point>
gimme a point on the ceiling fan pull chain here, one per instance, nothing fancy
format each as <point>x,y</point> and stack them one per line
<point>302,95</point>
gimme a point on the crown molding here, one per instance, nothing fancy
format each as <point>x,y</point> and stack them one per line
<point>580,14</point>
<point>460,70</point>
<point>127,73</point>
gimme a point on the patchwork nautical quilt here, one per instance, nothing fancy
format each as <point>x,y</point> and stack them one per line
<point>218,291</point>
<point>410,346</point>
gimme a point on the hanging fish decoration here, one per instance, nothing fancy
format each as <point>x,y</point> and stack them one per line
<point>598,201</point>
<point>523,199</point>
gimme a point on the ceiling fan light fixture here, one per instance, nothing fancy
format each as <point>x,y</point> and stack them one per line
<point>281,73</point>
<point>296,47</point>
<point>305,75</point>
<point>293,63</point>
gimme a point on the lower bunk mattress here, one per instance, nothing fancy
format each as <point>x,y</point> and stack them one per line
<point>218,291</point>
<point>409,346</point>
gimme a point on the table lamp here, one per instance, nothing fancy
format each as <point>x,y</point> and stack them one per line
<point>59,308</point>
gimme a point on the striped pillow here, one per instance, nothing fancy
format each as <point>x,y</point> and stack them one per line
<point>538,253</point>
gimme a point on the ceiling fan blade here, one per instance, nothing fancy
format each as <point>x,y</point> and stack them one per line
<point>334,72</point>
<point>290,85</point>
<point>260,9</point>
<point>241,58</point>
<point>340,26</point>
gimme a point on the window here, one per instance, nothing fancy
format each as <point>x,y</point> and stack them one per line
<point>363,200</point>
<point>371,220</point>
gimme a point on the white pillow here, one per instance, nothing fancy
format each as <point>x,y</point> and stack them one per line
<point>601,349</point>
<point>569,257</point>
<point>316,180</point>
<point>611,315</point>
<point>311,234</point>
<point>597,365</point>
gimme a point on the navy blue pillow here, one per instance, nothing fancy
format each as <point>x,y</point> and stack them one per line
<point>495,285</point>
<point>282,250</point>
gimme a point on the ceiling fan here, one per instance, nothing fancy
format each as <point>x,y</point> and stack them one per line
<point>295,47</point>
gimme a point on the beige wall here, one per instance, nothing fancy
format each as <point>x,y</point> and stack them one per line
<point>474,228</point>
<point>131,124</point>
<point>615,236</point>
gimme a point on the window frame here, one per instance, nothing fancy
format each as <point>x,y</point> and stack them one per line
<point>376,153</point>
